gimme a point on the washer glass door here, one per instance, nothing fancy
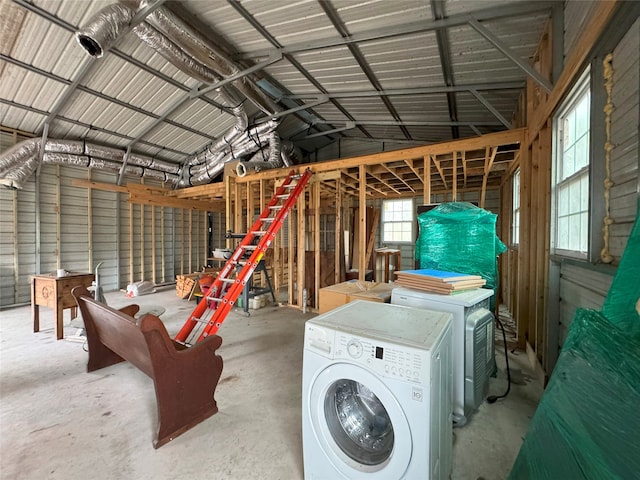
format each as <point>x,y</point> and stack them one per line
<point>359,423</point>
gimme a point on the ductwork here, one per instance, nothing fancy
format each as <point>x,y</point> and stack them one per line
<point>19,162</point>
<point>193,54</point>
<point>259,161</point>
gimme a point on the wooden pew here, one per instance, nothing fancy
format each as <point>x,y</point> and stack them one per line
<point>185,378</point>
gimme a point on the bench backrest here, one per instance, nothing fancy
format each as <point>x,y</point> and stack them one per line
<point>117,331</point>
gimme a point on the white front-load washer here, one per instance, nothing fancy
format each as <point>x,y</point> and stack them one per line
<point>377,393</point>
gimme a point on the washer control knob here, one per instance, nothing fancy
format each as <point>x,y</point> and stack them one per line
<point>354,347</point>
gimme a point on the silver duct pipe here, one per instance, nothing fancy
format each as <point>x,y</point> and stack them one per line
<point>290,153</point>
<point>103,31</point>
<point>19,162</point>
<point>259,161</point>
<point>207,54</point>
<point>181,45</point>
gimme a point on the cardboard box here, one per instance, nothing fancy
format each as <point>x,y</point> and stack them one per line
<point>336,295</point>
<point>379,293</point>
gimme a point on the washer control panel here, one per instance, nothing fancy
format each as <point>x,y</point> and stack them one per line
<point>385,359</point>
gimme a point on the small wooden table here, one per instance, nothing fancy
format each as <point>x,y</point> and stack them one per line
<point>387,253</point>
<point>51,291</point>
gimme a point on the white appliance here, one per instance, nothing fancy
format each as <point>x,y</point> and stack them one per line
<point>473,341</point>
<point>376,394</point>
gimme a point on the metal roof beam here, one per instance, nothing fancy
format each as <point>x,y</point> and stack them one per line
<point>91,62</point>
<point>348,126</point>
<point>319,101</point>
<point>92,127</point>
<point>442,38</point>
<point>415,91</point>
<point>500,45</point>
<point>410,123</point>
<point>362,61</point>
<point>127,58</point>
<point>491,13</point>
<point>244,13</point>
<point>275,57</point>
<point>491,108</point>
<point>101,95</point>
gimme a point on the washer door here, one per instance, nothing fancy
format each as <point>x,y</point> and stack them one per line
<point>359,423</point>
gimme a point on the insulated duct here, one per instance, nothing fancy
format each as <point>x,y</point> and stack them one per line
<point>19,162</point>
<point>193,54</point>
<point>259,161</point>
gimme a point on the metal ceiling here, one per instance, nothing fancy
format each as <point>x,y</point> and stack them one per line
<point>418,71</point>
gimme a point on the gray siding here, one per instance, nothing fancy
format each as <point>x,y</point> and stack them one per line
<point>81,227</point>
<point>580,288</point>
<point>576,14</point>
<point>624,136</point>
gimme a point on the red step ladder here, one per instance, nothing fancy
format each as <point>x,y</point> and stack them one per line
<point>218,300</point>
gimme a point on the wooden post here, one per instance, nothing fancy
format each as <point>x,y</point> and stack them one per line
<point>454,180</point>
<point>90,221</point>
<point>427,180</point>
<point>290,247</point>
<point>362,240</point>
<point>316,241</point>
<point>227,199</point>
<point>153,244</point>
<point>301,237</point>
<point>338,232</point>
<point>131,273</point>
<point>162,252</point>
<point>190,240</point>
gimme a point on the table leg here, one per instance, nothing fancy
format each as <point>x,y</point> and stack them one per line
<point>386,268</point>
<point>74,312</point>
<point>35,308</point>
<point>59,329</point>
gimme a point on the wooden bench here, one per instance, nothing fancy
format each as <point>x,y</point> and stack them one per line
<point>185,378</point>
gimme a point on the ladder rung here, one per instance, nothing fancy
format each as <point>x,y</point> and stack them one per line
<point>269,219</point>
<point>212,299</point>
<point>259,232</point>
<point>228,280</point>
<point>199,320</point>
<point>250,247</point>
<point>276,207</point>
<point>291,186</point>
<point>283,196</point>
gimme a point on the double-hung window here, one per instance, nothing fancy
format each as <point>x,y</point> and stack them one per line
<point>397,221</point>
<point>570,186</point>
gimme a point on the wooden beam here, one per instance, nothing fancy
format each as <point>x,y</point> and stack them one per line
<point>412,168</point>
<point>454,193</point>
<point>316,242</point>
<point>301,236</point>
<point>464,166</point>
<point>427,180</point>
<point>383,181</point>
<point>589,35</point>
<point>440,171</point>
<point>398,177</point>
<point>474,143</point>
<point>490,155</point>
<point>362,219</point>
<point>338,233</point>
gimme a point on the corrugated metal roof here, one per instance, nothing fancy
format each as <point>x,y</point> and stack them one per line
<point>394,47</point>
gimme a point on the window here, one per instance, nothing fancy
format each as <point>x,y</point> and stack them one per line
<point>397,221</point>
<point>515,227</point>
<point>570,188</point>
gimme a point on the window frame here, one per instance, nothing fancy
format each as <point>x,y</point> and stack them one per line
<point>558,185</point>
<point>515,210</point>
<point>410,222</point>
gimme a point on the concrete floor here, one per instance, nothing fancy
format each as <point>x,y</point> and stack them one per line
<point>59,422</point>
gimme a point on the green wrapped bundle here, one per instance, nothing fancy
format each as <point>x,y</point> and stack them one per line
<point>587,423</point>
<point>460,237</point>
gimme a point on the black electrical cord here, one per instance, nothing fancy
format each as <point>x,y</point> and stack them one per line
<point>494,398</point>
